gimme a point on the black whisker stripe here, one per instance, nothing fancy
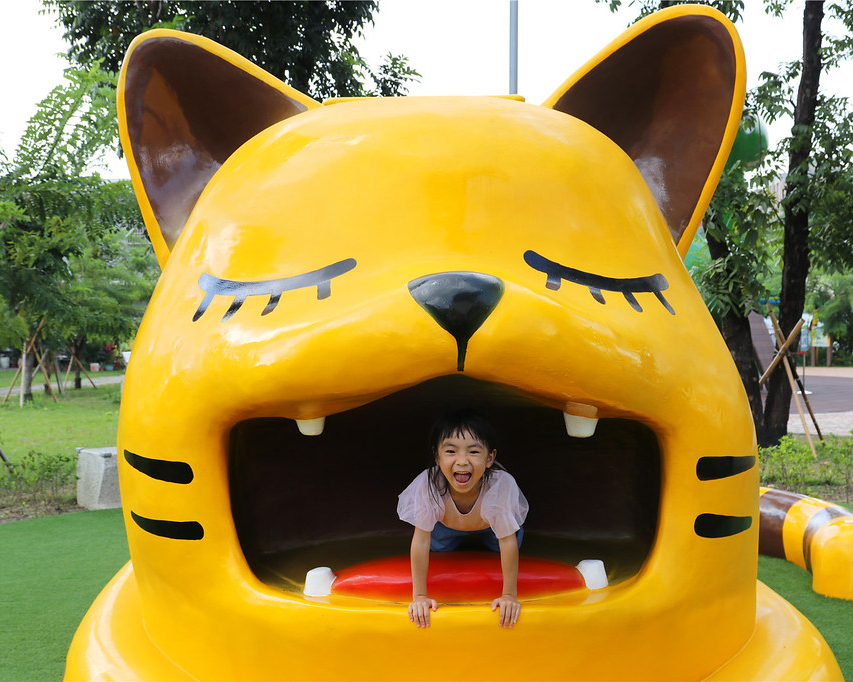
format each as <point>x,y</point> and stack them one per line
<point>720,525</point>
<point>161,469</point>
<point>815,523</point>
<point>173,530</point>
<point>714,468</point>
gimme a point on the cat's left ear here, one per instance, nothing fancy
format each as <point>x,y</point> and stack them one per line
<point>669,91</point>
<point>185,104</point>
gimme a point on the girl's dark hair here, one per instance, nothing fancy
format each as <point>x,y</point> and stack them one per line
<point>459,423</point>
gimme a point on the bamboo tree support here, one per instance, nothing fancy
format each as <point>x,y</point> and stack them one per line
<point>780,353</point>
<point>28,348</point>
<point>46,376</point>
<point>70,365</point>
<point>71,362</point>
<point>780,340</point>
<point>80,364</point>
<point>58,375</point>
<point>799,381</point>
<point>6,460</point>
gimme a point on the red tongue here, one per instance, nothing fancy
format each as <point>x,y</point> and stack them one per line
<point>459,577</point>
<point>461,477</point>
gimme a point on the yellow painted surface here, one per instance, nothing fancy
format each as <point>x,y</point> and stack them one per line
<point>781,628</point>
<point>832,559</point>
<point>408,188</point>
<point>795,525</point>
<point>831,547</point>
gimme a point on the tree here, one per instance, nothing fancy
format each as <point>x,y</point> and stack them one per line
<point>812,222</point>
<point>309,45</point>
<point>739,227</point>
<point>832,296</point>
<point>106,294</point>
<point>53,211</point>
<point>816,203</point>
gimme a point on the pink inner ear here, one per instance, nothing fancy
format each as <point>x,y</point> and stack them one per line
<point>455,577</point>
<point>187,111</point>
<point>665,98</point>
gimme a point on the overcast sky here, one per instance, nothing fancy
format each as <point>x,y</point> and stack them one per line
<point>459,46</point>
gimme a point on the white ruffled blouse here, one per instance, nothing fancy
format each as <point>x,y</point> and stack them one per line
<point>501,505</point>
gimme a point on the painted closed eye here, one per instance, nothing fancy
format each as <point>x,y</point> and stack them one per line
<point>274,288</point>
<point>627,286</point>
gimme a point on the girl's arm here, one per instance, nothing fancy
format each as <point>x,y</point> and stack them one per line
<point>508,601</point>
<point>421,603</point>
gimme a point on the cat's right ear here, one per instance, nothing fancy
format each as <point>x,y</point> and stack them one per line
<point>185,104</point>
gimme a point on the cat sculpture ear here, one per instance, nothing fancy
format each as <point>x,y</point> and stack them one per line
<point>669,91</point>
<point>185,104</point>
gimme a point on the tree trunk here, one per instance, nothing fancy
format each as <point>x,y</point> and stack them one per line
<point>734,327</point>
<point>28,362</point>
<point>795,265</point>
<point>45,361</point>
<point>76,350</point>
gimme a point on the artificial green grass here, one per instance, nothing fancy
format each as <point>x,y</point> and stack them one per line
<point>87,417</point>
<point>833,617</point>
<point>51,569</point>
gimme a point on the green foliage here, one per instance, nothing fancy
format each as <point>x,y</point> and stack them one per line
<point>309,45</point>
<point>791,466</point>
<point>70,250</point>
<point>831,296</point>
<point>72,126</point>
<point>787,465</point>
<point>839,453</point>
<point>38,480</point>
<point>742,225</point>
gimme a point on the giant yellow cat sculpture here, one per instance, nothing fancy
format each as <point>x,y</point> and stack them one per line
<point>336,276</point>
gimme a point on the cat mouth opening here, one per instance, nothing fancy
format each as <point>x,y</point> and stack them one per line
<point>300,501</point>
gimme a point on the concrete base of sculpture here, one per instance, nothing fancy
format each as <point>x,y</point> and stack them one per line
<point>97,478</point>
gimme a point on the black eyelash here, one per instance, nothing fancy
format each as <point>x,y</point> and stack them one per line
<point>274,288</point>
<point>627,286</point>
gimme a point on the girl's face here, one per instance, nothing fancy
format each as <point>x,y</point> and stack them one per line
<point>463,460</point>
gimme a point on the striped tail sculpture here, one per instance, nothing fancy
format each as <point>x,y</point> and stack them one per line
<point>815,535</point>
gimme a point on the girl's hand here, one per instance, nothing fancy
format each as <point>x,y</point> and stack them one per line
<point>509,610</point>
<point>419,610</point>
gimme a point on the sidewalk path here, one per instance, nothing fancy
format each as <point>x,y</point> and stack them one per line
<point>38,386</point>
<point>830,393</point>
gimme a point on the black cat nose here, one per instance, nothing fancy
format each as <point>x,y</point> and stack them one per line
<point>459,301</point>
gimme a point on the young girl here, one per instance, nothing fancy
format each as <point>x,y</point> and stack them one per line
<point>464,494</point>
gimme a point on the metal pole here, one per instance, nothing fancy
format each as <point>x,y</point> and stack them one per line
<point>513,47</point>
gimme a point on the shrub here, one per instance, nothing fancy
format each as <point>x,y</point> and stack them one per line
<point>787,465</point>
<point>38,480</point>
<point>839,452</point>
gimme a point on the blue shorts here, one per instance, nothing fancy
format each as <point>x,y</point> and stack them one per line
<point>444,539</point>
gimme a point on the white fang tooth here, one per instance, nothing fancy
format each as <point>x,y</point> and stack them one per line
<point>593,573</point>
<point>311,427</point>
<point>318,582</point>
<point>580,427</point>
